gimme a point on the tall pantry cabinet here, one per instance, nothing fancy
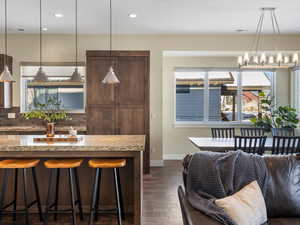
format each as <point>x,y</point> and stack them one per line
<point>122,108</point>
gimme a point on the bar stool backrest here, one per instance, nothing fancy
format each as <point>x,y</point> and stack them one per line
<point>283,132</point>
<point>252,131</point>
<point>223,132</point>
<point>285,145</point>
<point>250,144</point>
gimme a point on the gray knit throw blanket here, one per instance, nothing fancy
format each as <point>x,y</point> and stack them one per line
<point>216,175</point>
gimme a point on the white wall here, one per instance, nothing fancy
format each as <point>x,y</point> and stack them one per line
<point>175,139</point>
<point>61,48</point>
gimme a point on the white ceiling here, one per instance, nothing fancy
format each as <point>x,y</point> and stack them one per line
<point>153,16</point>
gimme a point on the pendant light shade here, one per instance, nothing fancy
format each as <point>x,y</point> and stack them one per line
<point>76,76</point>
<point>40,75</point>
<point>111,77</point>
<point>5,75</point>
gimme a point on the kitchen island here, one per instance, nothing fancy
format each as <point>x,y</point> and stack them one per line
<point>130,147</point>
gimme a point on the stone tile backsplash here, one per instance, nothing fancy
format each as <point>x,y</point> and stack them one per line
<point>78,119</point>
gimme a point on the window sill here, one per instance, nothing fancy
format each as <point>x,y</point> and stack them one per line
<point>210,124</point>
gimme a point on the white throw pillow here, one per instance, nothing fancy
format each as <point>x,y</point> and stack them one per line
<point>245,207</point>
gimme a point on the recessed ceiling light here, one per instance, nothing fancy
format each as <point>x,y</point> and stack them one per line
<point>58,15</point>
<point>132,15</point>
<point>45,29</point>
<point>241,30</point>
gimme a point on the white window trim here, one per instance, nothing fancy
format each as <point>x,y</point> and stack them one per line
<point>205,123</point>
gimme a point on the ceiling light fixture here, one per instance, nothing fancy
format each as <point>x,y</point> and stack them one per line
<point>132,15</point>
<point>76,76</point>
<point>5,75</point>
<point>58,15</point>
<point>110,77</point>
<point>41,75</point>
<point>261,59</point>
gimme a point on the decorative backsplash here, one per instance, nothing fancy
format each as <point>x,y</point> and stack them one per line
<point>78,119</point>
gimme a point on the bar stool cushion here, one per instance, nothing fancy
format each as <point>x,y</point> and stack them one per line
<point>107,163</point>
<point>63,163</point>
<point>18,163</point>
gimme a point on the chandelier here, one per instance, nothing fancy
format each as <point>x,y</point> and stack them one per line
<point>260,59</point>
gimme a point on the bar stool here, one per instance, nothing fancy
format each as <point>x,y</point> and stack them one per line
<point>24,165</point>
<point>71,165</point>
<point>100,164</point>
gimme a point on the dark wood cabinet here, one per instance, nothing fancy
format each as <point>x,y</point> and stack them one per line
<point>2,88</point>
<point>122,108</point>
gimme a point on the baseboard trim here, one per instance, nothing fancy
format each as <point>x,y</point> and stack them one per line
<point>173,156</point>
<point>156,163</point>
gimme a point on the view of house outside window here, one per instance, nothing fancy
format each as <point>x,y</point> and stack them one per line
<point>220,96</point>
<point>59,87</point>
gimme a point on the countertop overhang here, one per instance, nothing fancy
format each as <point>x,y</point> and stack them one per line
<point>19,143</point>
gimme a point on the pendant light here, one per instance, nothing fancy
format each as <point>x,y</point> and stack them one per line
<point>5,75</point>
<point>76,76</point>
<point>41,75</point>
<point>110,77</point>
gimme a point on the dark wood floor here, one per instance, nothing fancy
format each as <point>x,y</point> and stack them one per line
<point>160,203</point>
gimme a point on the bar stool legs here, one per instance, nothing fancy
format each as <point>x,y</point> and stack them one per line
<point>117,196</point>
<point>27,204</point>
<point>78,194</point>
<point>96,197</point>
<point>75,200</point>
<point>15,194</point>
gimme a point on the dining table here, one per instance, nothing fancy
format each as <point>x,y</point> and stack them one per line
<point>221,144</point>
<point>129,147</point>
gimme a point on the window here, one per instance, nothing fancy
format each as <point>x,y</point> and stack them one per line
<point>209,96</point>
<point>58,87</point>
<point>296,90</point>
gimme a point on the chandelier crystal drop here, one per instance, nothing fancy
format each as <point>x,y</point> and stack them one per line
<point>271,59</point>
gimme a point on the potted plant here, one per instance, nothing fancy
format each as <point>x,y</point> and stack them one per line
<point>49,112</point>
<point>270,116</point>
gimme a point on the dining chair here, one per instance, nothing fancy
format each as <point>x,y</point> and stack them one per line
<point>250,144</point>
<point>285,145</point>
<point>223,132</point>
<point>283,132</point>
<point>252,131</point>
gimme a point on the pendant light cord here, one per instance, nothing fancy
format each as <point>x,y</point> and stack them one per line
<point>5,37</point>
<point>76,33</point>
<point>41,30</point>
<point>110,27</point>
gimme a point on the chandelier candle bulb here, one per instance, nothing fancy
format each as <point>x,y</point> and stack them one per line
<point>286,59</point>
<point>295,58</point>
<point>271,59</point>
<point>246,57</point>
<point>255,59</point>
<point>279,58</point>
<point>240,60</point>
<point>263,58</point>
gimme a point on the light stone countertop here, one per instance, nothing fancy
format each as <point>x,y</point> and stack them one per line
<point>21,143</point>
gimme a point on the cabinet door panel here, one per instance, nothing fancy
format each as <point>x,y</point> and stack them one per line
<point>131,120</point>
<point>98,93</point>
<point>101,120</point>
<point>132,72</point>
